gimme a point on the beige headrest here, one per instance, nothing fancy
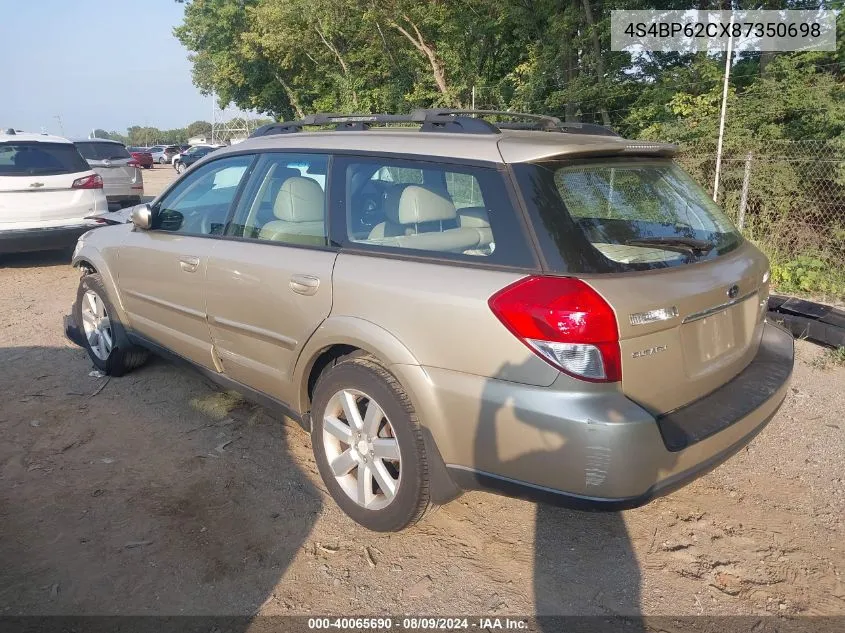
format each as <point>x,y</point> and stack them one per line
<point>300,200</point>
<point>414,204</point>
<point>474,217</point>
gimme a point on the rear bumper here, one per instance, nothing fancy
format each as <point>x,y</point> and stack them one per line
<point>594,450</point>
<point>125,199</point>
<point>40,239</point>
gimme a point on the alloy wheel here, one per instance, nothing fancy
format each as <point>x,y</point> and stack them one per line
<point>362,449</point>
<point>97,325</point>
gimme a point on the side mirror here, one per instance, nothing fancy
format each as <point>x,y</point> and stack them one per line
<point>142,216</point>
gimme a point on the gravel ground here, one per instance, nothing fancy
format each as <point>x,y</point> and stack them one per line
<point>157,494</point>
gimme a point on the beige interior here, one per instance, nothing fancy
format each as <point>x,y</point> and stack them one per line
<point>300,211</point>
<point>418,218</point>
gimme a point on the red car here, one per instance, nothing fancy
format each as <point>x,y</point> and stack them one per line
<point>141,156</point>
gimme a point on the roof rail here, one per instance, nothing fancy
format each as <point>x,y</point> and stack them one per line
<point>436,120</point>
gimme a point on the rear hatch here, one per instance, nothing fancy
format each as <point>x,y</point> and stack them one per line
<point>36,183</point>
<point>688,292</point>
<point>115,165</point>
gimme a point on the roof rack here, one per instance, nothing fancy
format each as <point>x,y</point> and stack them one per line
<point>436,120</point>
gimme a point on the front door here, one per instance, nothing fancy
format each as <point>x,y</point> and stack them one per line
<point>268,291</point>
<point>162,271</point>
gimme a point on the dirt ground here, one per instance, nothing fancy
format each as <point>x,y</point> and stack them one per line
<point>157,494</point>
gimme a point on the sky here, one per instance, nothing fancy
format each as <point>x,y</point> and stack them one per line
<point>96,63</point>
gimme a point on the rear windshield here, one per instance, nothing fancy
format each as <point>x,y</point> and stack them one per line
<point>103,151</point>
<point>40,159</point>
<point>622,214</point>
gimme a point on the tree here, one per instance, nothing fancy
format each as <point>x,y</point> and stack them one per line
<point>198,128</point>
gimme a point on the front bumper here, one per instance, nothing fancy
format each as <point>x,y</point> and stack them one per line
<point>41,239</point>
<point>594,449</point>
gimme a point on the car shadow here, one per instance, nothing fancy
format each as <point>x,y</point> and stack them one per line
<point>150,494</point>
<point>584,562</point>
<point>37,259</point>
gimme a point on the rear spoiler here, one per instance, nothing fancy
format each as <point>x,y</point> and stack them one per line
<point>520,152</point>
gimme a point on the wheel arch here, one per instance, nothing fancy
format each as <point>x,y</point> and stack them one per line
<point>344,336</point>
<point>341,336</point>
<point>89,261</point>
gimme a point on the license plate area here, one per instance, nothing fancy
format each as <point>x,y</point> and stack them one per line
<point>709,342</point>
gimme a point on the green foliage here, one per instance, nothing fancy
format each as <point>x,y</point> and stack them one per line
<point>138,135</point>
<point>808,274</point>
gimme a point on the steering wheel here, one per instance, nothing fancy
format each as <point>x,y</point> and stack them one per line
<point>370,205</point>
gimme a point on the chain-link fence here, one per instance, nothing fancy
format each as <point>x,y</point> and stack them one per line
<point>788,196</point>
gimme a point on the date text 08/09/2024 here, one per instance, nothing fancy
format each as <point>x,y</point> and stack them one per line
<point>418,623</point>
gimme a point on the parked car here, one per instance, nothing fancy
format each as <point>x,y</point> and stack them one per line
<point>46,191</point>
<point>179,150</point>
<point>169,152</point>
<point>123,182</point>
<point>142,156</point>
<point>553,312</point>
<point>157,152</point>
<point>189,157</point>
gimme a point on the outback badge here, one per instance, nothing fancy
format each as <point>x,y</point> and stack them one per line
<point>649,351</point>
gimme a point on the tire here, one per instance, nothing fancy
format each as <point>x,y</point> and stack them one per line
<point>367,382</point>
<point>148,166</point>
<point>120,356</point>
<point>180,168</point>
<point>161,161</point>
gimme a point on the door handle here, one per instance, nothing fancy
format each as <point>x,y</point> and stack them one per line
<point>189,264</point>
<point>304,284</point>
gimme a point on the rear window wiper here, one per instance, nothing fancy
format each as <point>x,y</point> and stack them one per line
<point>678,244</point>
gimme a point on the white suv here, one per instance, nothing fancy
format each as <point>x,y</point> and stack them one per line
<point>46,191</point>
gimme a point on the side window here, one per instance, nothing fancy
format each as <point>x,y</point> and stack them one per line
<point>464,190</point>
<point>444,210</point>
<point>199,204</point>
<point>285,201</point>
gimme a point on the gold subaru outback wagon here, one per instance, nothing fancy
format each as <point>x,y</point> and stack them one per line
<point>453,300</point>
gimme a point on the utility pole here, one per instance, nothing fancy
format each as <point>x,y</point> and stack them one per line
<point>724,109</point>
<point>58,117</point>
<point>473,98</point>
<point>213,115</point>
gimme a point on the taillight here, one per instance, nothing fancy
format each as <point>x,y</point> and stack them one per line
<point>94,181</point>
<point>565,322</point>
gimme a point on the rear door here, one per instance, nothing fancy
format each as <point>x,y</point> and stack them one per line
<point>36,185</point>
<point>688,292</point>
<point>112,162</point>
<point>162,271</point>
<point>268,290</point>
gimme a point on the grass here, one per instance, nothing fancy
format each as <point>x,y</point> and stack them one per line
<point>829,358</point>
<point>217,405</point>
